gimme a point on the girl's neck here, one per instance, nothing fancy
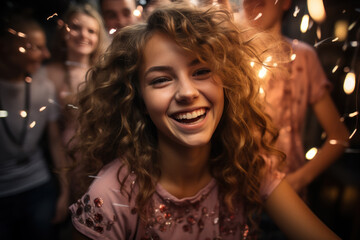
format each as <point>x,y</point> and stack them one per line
<point>184,171</point>
<point>77,60</point>
<point>275,30</point>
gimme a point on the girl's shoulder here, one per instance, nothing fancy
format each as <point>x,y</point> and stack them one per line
<point>104,208</point>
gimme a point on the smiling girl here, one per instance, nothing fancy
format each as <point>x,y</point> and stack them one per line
<point>79,42</point>
<point>171,124</point>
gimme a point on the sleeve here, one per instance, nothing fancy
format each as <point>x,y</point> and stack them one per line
<point>103,212</point>
<point>272,178</point>
<point>318,82</point>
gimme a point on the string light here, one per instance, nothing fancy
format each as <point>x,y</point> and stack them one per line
<point>55,14</point>
<point>23,114</point>
<point>112,31</point>
<point>304,23</point>
<point>296,11</point>
<point>3,113</point>
<point>42,108</point>
<point>335,68</point>
<point>349,83</point>
<point>262,72</point>
<point>258,16</point>
<point>32,124</point>
<point>22,50</point>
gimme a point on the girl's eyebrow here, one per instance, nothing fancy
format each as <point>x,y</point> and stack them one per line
<point>168,68</point>
<point>157,68</point>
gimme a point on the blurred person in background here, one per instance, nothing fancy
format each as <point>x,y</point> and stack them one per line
<point>29,197</point>
<point>80,41</point>
<point>118,13</point>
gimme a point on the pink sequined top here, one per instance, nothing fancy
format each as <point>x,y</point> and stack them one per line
<point>289,99</point>
<point>104,213</point>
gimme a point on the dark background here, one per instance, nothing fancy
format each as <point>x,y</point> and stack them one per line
<point>335,195</point>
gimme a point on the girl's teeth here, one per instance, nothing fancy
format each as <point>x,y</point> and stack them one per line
<point>191,115</point>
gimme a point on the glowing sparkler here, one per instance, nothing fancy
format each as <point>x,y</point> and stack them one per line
<point>335,68</point>
<point>22,50</point>
<point>353,114</point>
<point>32,124</point>
<point>262,72</point>
<point>304,23</point>
<point>55,14</point>
<point>258,16</point>
<point>23,114</point>
<point>3,113</point>
<point>296,11</point>
<point>349,83</point>
<point>112,31</point>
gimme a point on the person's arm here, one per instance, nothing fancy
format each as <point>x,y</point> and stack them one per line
<point>337,137</point>
<point>293,217</point>
<point>60,164</point>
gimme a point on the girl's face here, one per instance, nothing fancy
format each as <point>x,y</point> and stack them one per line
<point>184,99</point>
<point>83,34</point>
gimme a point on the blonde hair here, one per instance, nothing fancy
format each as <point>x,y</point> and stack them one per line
<point>114,124</point>
<point>59,48</point>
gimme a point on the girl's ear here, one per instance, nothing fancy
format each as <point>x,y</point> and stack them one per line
<point>286,5</point>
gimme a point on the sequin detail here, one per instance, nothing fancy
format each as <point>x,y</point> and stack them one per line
<point>94,216</point>
<point>193,219</point>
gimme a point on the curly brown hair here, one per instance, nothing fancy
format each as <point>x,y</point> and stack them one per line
<point>113,122</point>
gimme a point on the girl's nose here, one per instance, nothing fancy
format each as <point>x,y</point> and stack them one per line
<point>186,90</point>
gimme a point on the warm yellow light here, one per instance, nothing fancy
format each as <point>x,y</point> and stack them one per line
<point>341,30</point>
<point>262,72</point>
<point>318,32</point>
<point>3,113</point>
<point>311,153</point>
<point>112,31</point>
<point>32,124</point>
<point>22,49</point>
<point>252,64</point>
<point>353,114</point>
<point>293,56</point>
<point>21,34</point>
<point>304,23</point>
<point>42,108</point>
<point>137,13</point>
<point>349,83</point>
<point>316,10</point>
<point>23,114</point>
<point>335,68</point>
<point>261,91</point>
<point>296,11</point>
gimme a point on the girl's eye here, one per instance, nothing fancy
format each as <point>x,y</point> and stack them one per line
<point>202,73</point>
<point>159,81</point>
<point>91,31</point>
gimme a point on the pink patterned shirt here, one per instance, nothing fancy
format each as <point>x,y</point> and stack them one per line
<point>104,213</point>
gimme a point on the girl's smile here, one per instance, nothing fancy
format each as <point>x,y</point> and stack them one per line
<point>83,34</point>
<point>183,98</point>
